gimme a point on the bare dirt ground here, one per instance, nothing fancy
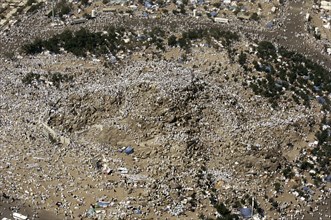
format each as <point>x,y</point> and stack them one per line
<point>179,120</point>
<point>292,33</point>
<point>195,132</point>
<point>6,211</point>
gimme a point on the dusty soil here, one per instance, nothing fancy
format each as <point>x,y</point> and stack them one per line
<point>195,132</point>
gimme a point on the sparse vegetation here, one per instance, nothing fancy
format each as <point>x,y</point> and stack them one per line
<point>323,149</point>
<point>224,212</point>
<point>304,77</point>
<point>31,77</point>
<point>58,78</point>
<point>277,187</point>
<point>255,16</point>
<point>33,48</point>
<point>83,41</point>
<point>55,78</point>
<point>242,58</point>
<point>34,7</point>
<point>266,50</point>
<point>288,173</point>
<point>30,2</point>
<point>172,41</point>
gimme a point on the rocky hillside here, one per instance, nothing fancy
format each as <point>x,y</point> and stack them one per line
<point>199,124</point>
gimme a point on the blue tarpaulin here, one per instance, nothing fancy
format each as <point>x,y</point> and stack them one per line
<point>268,69</point>
<point>128,150</point>
<point>321,100</point>
<point>137,211</point>
<point>270,24</point>
<point>316,88</point>
<point>213,14</point>
<point>148,4</point>
<point>305,188</point>
<point>246,212</point>
<point>103,204</point>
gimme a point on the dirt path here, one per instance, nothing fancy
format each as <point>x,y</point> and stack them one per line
<point>292,34</point>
